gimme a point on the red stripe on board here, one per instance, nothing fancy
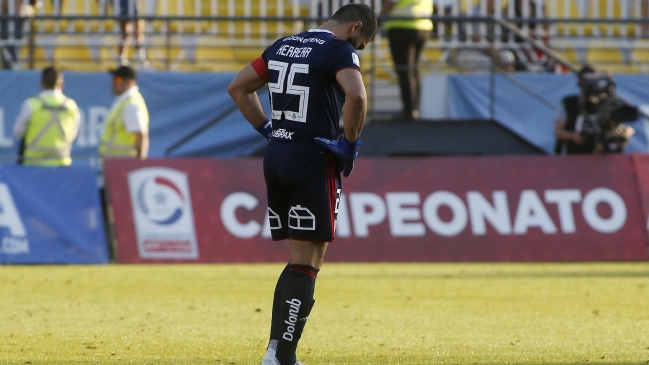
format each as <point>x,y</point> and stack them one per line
<point>166,182</point>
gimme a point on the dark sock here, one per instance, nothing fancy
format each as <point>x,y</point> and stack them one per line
<point>277,306</point>
<point>295,306</point>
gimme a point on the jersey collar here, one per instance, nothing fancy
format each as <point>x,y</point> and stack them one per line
<point>317,30</point>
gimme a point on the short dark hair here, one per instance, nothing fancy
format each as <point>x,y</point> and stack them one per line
<point>125,72</point>
<point>351,13</point>
<point>51,77</point>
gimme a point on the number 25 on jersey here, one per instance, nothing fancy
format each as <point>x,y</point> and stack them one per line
<point>287,75</point>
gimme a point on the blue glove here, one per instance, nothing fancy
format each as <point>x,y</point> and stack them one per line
<point>345,152</point>
<point>266,128</point>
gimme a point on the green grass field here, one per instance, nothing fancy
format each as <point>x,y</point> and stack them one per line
<point>593,313</point>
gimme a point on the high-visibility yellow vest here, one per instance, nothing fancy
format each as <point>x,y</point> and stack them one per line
<point>412,8</point>
<point>50,131</point>
<point>116,140</point>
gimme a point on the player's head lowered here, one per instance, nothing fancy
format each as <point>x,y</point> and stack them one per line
<point>361,21</point>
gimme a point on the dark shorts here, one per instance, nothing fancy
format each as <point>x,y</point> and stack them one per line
<point>124,7</point>
<point>303,187</point>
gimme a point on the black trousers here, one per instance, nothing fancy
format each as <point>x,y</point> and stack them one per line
<point>10,30</point>
<point>406,46</point>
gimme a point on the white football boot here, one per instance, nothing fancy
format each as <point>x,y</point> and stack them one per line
<point>269,358</point>
<point>273,361</point>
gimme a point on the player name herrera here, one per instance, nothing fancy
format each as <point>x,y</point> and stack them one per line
<point>297,52</point>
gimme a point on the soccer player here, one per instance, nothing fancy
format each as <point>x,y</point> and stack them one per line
<point>313,78</point>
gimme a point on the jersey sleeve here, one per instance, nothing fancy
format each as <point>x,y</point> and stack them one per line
<point>259,65</point>
<point>344,56</point>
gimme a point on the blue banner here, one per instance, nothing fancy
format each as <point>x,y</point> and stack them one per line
<point>519,108</point>
<point>178,104</point>
<point>50,216</point>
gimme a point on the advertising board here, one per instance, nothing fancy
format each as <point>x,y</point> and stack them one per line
<point>51,216</point>
<point>407,209</point>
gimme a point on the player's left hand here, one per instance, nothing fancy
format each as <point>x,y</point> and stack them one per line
<point>345,152</point>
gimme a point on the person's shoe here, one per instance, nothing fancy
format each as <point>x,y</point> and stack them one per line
<point>269,358</point>
<point>272,360</point>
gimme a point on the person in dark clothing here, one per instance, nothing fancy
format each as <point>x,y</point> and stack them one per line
<point>313,80</point>
<point>569,122</point>
<point>407,38</point>
<point>11,30</point>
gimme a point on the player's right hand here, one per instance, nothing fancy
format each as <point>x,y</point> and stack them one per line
<point>345,152</point>
<point>266,128</point>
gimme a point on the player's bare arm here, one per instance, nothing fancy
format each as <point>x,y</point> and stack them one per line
<point>243,90</point>
<point>355,107</point>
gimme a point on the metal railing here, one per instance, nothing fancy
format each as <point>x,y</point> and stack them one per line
<point>224,35</point>
<point>178,34</point>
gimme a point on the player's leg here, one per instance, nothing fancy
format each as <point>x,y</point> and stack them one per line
<point>274,326</point>
<point>277,203</point>
<point>297,296</point>
<point>314,194</point>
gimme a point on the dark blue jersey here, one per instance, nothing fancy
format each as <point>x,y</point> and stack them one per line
<point>305,98</point>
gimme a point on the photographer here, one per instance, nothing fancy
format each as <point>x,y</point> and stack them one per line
<point>590,122</point>
<point>569,138</point>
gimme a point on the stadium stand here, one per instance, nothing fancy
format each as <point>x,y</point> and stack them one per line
<point>220,36</point>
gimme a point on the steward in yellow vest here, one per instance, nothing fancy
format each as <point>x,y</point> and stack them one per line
<point>407,38</point>
<point>409,9</point>
<point>48,124</point>
<point>126,133</point>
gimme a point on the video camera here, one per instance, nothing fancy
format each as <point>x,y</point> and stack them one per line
<point>604,113</point>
